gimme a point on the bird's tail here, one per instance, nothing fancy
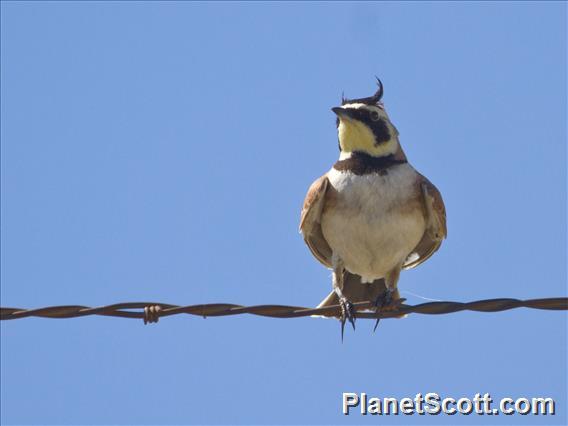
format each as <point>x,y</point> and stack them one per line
<point>356,291</point>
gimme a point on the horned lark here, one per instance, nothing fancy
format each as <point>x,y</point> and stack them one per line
<point>372,214</point>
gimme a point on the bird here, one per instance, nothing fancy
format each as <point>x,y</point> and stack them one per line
<point>372,214</point>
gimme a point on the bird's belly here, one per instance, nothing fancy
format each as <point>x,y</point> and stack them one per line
<point>373,228</point>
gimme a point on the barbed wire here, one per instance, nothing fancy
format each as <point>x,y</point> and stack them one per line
<point>151,311</point>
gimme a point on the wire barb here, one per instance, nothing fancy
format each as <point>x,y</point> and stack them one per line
<point>151,312</point>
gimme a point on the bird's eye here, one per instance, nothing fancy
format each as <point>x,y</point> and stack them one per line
<point>374,115</point>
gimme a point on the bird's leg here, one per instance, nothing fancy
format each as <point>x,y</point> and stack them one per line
<point>337,282</point>
<point>390,299</point>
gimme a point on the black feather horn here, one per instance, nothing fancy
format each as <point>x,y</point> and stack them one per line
<point>379,94</point>
<point>371,100</point>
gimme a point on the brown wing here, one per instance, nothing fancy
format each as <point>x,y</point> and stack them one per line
<point>310,221</point>
<point>436,231</point>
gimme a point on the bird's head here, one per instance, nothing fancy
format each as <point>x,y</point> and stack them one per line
<point>364,126</point>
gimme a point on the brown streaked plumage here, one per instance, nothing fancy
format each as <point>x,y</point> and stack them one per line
<point>310,221</point>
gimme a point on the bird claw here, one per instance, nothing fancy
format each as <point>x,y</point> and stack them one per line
<point>347,313</point>
<point>384,303</point>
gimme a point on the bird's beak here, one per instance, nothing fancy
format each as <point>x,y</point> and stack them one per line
<point>341,112</point>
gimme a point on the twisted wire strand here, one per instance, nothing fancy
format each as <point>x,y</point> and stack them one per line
<point>151,311</point>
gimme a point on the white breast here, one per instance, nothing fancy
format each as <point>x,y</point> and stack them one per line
<point>370,226</point>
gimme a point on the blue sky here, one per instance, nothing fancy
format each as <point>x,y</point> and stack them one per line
<point>161,151</point>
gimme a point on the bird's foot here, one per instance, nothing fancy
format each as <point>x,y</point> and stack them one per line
<point>386,303</point>
<point>347,313</point>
